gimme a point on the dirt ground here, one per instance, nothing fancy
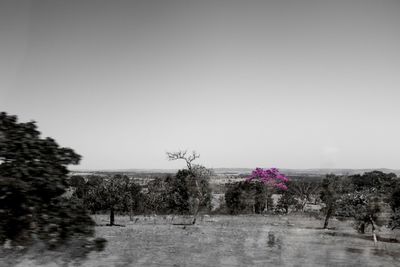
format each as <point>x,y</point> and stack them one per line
<point>236,241</point>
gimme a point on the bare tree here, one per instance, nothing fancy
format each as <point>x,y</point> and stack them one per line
<point>183,155</point>
<point>197,172</point>
<point>303,191</point>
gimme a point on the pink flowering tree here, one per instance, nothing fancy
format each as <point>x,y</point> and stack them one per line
<point>270,177</point>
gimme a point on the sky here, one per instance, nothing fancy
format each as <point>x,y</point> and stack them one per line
<point>287,84</point>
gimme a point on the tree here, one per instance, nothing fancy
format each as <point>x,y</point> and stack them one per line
<point>395,198</point>
<point>332,189</point>
<point>377,190</point>
<point>364,206</point>
<point>198,178</point>
<point>272,180</point>
<point>270,177</point>
<point>382,182</point>
<point>133,198</point>
<point>91,193</point>
<point>246,197</point>
<point>111,193</point>
<point>395,207</point>
<point>33,178</point>
<point>179,192</point>
<point>183,155</point>
<point>156,197</point>
<point>303,190</point>
<point>394,222</point>
<point>76,181</point>
<point>233,198</point>
<point>365,197</point>
<point>285,202</point>
<point>78,184</point>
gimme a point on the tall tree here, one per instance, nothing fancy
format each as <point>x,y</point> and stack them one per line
<point>197,176</point>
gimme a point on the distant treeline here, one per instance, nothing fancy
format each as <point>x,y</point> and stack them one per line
<point>359,197</point>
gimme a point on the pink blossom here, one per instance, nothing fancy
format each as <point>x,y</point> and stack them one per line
<point>270,177</point>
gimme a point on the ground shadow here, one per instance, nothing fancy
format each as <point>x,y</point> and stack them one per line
<point>118,225</point>
<point>365,237</point>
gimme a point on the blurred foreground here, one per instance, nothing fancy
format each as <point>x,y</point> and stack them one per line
<point>248,240</point>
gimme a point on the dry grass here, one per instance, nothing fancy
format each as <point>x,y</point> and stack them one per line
<point>236,241</point>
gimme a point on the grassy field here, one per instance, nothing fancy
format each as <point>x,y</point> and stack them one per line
<point>237,241</point>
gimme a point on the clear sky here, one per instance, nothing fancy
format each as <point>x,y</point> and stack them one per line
<point>289,84</point>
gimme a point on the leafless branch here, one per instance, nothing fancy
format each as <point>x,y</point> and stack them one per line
<point>182,154</point>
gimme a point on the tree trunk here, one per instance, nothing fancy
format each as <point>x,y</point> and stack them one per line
<point>131,213</point>
<point>373,231</point>
<point>362,228</point>
<point>196,209</point>
<point>112,216</point>
<point>303,205</point>
<point>196,201</point>
<point>327,217</point>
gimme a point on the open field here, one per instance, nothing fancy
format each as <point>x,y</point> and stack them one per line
<point>237,241</point>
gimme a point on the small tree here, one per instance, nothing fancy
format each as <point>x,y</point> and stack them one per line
<point>156,199</point>
<point>363,206</point>
<point>374,189</point>
<point>303,190</point>
<point>269,202</point>
<point>285,202</point>
<point>272,179</point>
<point>78,185</point>
<point>234,199</point>
<point>111,194</point>
<point>133,198</point>
<point>394,222</point>
<point>395,207</point>
<point>92,193</point>
<point>332,189</point>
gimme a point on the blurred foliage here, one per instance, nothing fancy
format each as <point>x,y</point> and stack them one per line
<point>33,179</point>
